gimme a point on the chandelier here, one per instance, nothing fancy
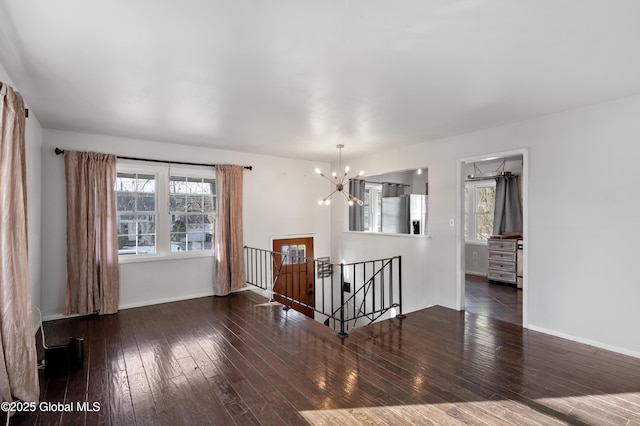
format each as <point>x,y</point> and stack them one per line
<point>340,182</point>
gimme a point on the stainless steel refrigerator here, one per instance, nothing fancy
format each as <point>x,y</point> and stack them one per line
<point>406,214</point>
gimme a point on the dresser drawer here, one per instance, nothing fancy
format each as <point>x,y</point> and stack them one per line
<point>509,256</point>
<point>508,277</point>
<point>502,266</point>
<point>503,245</point>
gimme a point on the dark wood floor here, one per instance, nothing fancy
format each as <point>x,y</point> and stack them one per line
<point>229,361</point>
<point>502,302</point>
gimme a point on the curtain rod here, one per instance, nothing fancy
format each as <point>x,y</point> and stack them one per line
<point>61,151</point>
<point>494,177</point>
<point>382,183</point>
<point>26,110</point>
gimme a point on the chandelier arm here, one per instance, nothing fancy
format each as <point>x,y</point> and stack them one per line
<point>356,199</point>
<point>351,197</point>
<point>331,195</point>
<point>324,176</point>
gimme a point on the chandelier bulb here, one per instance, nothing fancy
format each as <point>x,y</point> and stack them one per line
<point>346,169</point>
<point>327,202</point>
<point>350,202</point>
<point>361,173</point>
<point>320,202</point>
<point>318,171</point>
<point>334,174</point>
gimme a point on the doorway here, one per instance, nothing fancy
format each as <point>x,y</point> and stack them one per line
<point>468,253</point>
<point>293,267</point>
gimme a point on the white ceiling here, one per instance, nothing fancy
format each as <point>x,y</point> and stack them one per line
<point>294,78</point>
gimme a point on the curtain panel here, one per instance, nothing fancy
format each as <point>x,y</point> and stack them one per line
<point>392,189</point>
<point>93,280</point>
<point>18,358</point>
<point>229,273</point>
<point>507,216</point>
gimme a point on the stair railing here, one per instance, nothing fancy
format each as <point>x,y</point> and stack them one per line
<point>344,293</point>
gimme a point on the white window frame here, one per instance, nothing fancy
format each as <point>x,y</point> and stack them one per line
<point>472,213</point>
<point>189,174</point>
<point>163,218</point>
<point>374,197</point>
<point>144,171</point>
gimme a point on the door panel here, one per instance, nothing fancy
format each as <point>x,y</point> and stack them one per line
<point>294,268</point>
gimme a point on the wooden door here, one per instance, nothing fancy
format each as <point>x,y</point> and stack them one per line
<point>294,268</point>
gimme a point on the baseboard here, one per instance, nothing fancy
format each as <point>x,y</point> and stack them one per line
<point>171,299</point>
<point>167,300</point>
<point>479,274</point>
<point>54,317</point>
<point>589,342</point>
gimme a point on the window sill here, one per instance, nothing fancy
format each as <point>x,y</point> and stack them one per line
<point>388,234</point>
<point>163,257</point>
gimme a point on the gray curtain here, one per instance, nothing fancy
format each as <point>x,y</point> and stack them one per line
<point>93,275</point>
<point>392,189</point>
<point>507,215</point>
<point>356,212</point>
<point>18,359</point>
<point>229,273</point>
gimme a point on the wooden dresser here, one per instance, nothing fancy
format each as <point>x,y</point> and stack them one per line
<point>502,260</point>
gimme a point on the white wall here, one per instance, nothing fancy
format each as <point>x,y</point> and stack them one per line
<point>583,221</point>
<point>33,142</point>
<point>419,181</point>
<point>280,198</point>
<point>479,264</point>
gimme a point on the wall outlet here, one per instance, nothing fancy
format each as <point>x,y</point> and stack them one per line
<point>452,222</point>
<point>475,254</point>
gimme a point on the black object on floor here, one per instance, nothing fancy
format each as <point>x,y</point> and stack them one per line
<point>58,359</point>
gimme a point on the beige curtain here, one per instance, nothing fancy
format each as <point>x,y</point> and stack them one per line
<point>229,272</point>
<point>93,279</point>
<point>18,359</point>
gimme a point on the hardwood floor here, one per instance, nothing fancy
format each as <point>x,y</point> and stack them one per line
<point>229,361</point>
<point>498,301</point>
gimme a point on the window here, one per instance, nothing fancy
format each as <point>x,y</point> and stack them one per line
<point>192,203</point>
<point>479,199</point>
<point>292,254</point>
<point>136,209</point>
<point>372,207</point>
<point>164,211</point>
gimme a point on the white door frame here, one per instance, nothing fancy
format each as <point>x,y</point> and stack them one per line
<point>460,242</point>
